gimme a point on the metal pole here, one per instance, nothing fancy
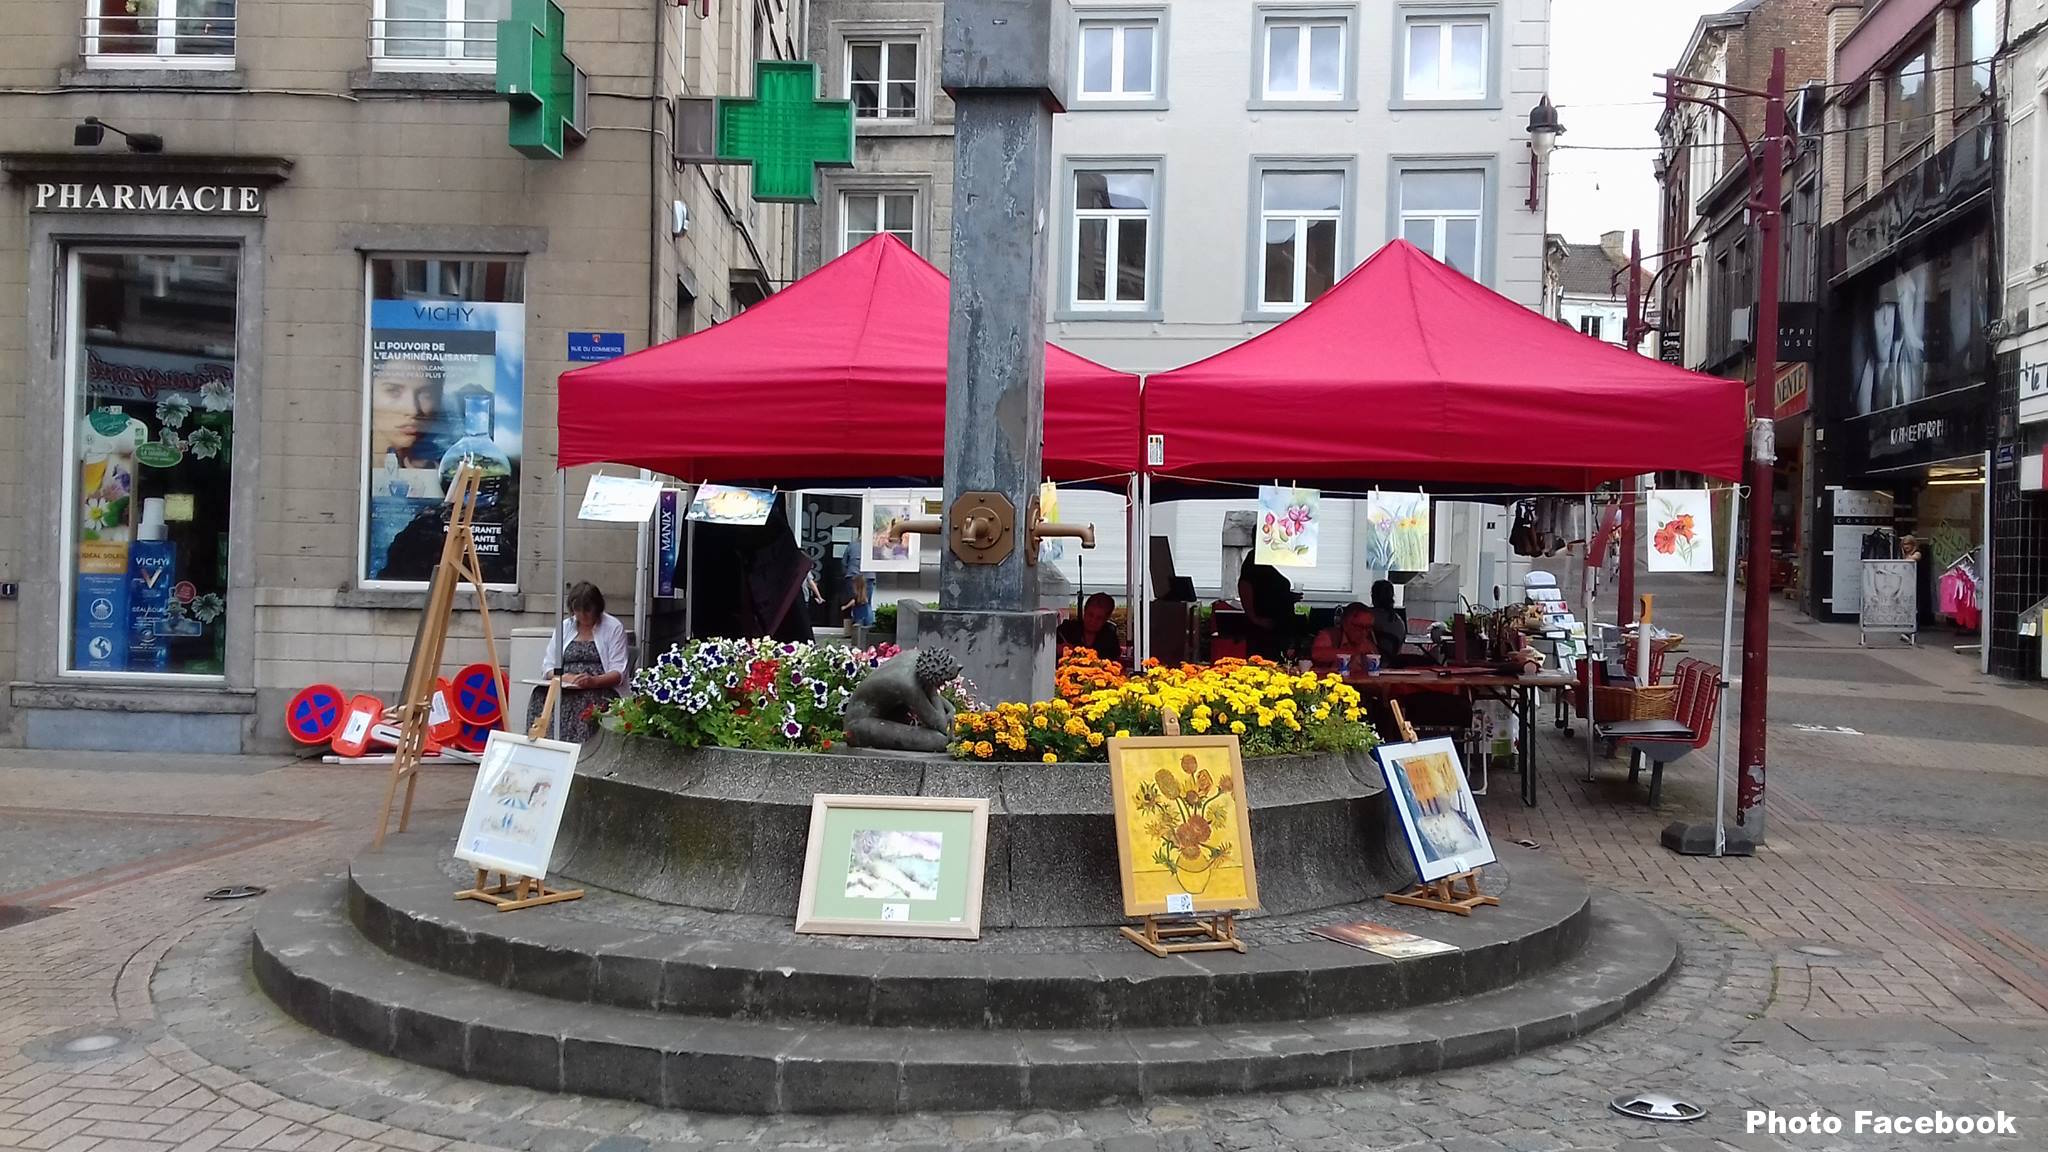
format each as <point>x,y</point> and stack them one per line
<point>1594,658</point>
<point>640,582</point>
<point>1721,682</point>
<point>561,574</point>
<point>1141,644</point>
<point>1132,611</point>
<point>1632,333</point>
<point>688,564</point>
<point>1984,575</point>
<point>1756,619</point>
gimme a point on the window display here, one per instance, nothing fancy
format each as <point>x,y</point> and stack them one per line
<point>447,373</point>
<point>152,352</point>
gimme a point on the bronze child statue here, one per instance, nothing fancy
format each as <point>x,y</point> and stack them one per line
<point>898,707</point>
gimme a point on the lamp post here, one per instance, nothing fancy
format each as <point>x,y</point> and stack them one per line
<point>1632,333</point>
<point>1544,129</point>
<point>1768,186</point>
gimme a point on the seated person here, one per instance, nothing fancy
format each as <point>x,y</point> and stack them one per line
<point>1389,624</point>
<point>1351,636</point>
<point>1268,598</point>
<point>1093,629</point>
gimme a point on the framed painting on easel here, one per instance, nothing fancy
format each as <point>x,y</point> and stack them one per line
<point>1183,839</point>
<point>515,809</point>
<point>1440,819</point>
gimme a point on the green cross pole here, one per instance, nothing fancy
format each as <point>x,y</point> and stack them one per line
<point>538,80</point>
<point>785,131</point>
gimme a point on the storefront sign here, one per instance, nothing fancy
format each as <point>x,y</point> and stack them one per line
<point>1798,332</point>
<point>2006,456</point>
<point>204,199</point>
<point>1793,389</point>
<point>2034,386</point>
<point>1942,427</point>
<point>447,384</point>
<point>1953,179</point>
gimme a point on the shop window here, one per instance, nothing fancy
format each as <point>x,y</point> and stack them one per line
<point>866,215</point>
<point>1441,213</point>
<point>881,79</point>
<point>445,384</point>
<point>1856,154</point>
<point>1909,107</point>
<point>150,437</point>
<point>188,34</point>
<point>1976,44</point>
<point>1112,241</point>
<point>1304,59</point>
<point>436,34</point>
<point>1301,217</point>
<point>1446,58</point>
<point>1119,60</point>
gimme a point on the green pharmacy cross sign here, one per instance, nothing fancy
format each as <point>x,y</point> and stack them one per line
<point>785,131</point>
<point>545,88</point>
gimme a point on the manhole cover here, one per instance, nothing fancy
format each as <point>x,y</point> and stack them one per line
<point>79,1045</point>
<point>1818,950</point>
<point>235,892</point>
<point>97,1042</point>
<point>1655,1106</point>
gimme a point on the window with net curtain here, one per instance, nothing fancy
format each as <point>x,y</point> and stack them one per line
<point>1300,215</point>
<point>165,28</point>
<point>1112,238</point>
<point>869,214</point>
<point>427,31</point>
<point>881,79</point>
<point>1118,59</point>
<point>1441,213</point>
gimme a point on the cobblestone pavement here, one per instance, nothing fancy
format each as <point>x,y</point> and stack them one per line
<point>1887,951</point>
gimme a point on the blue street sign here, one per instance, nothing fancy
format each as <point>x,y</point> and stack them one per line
<point>596,345</point>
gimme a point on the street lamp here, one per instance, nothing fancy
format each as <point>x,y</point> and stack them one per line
<point>1544,129</point>
<point>89,132</point>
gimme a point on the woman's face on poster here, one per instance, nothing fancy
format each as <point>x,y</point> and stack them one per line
<point>405,403</point>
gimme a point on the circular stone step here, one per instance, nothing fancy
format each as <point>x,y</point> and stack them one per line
<point>310,960</point>
<point>625,952</point>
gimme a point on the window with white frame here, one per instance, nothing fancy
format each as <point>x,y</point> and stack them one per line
<point>1446,58</point>
<point>881,79</point>
<point>864,215</point>
<point>195,34</point>
<point>1119,59</point>
<point>1301,217</point>
<point>1441,212</point>
<point>436,34</point>
<point>1304,58</point>
<point>1589,325</point>
<point>1112,240</point>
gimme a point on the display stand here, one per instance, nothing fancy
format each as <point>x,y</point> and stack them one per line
<point>1458,892</point>
<point>414,709</point>
<point>512,893</point>
<point>1162,938</point>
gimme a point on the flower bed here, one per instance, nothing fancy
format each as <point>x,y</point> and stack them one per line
<point>755,694</point>
<point>1272,712</point>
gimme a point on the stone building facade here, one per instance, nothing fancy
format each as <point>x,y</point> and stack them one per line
<point>233,365</point>
<point>2019,494</point>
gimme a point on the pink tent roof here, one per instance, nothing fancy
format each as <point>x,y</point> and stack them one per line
<point>1409,372</point>
<point>840,376</point>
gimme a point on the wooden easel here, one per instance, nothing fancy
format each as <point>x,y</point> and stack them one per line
<point>415,702</point>
<point>512,893</point>
<point>1215,932</point>
<point>1458,892</point>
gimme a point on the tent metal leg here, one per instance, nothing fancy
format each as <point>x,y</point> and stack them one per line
<point>561,567</point>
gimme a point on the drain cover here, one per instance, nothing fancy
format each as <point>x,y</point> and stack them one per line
<point>1818,950</point>
<point>98,1042</point>
<point>79,1045</point>
<point>235,892</point>
<point>1655,1106</point>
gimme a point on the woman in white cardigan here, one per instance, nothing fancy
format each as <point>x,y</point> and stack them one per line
<point>588,651</point>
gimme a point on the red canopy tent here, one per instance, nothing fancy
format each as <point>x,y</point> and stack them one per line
<point>839,377</point>
<point>1409,372</point>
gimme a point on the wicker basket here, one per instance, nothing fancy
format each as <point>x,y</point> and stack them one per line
<point>1654,702</point>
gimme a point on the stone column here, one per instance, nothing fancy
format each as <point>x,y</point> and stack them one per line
<point>1004,64</point>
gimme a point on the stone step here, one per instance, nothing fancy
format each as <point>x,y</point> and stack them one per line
<point>310,959</point>
<point>616,950</point>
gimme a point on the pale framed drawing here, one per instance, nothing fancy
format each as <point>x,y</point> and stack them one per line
<point>515,807</point>
<point>878,552</point>
<point>1183,827</point>
<point>894,866</point>
<point>1436,807</point>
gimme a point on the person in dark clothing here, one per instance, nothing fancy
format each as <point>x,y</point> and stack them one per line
<point>1093,629</point>
<point>1268,601</point>
<point>1389,624</point>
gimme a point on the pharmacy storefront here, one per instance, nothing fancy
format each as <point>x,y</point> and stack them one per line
<point>140,423</point>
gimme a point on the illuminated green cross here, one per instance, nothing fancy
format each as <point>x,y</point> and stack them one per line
<point>538,79</point>
<point>785,131</point>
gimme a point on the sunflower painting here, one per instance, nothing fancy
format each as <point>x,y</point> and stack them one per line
<point>1183,828</point>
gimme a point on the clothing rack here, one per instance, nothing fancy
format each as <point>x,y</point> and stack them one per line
<point>1966,567</point>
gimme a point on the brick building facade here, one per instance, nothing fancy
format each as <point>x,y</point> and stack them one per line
<point>233,369</point>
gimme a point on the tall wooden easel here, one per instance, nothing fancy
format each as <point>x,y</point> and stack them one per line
<point>415,703</point>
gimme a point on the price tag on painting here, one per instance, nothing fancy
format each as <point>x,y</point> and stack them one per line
<point>895,913</point>
<point>1180,904</point>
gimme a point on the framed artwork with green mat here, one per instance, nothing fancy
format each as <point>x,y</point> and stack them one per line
<point>894,866</point>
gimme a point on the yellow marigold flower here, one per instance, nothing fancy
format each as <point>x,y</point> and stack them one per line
<point>1322,712</point>
<point>1199,724</point>
<point>1038,721</point>
<point>984,749</point>
<point>1237,727</point>
<point>1351,714</point>
<point>1095,739</point>
<point>1265,719</point>
<point>1123,733</point>
<point>1049,758</point>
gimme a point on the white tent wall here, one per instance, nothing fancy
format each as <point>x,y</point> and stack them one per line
<point>1196,529</point>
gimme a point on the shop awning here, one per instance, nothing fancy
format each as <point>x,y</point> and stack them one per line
<point>1408,372</point>
<point>839,377</point>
